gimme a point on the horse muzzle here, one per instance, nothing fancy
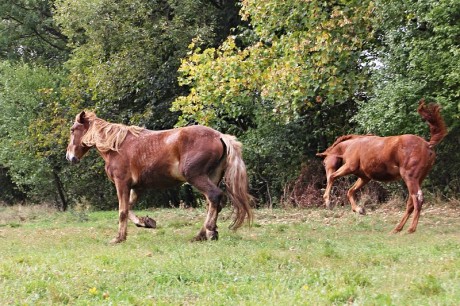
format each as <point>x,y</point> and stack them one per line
<point>72,158</point>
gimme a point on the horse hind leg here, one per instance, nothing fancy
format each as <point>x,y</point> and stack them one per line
<point>213,196</point>
<point>418,203</point>
<point>414,202</point>
<point>407,213</point>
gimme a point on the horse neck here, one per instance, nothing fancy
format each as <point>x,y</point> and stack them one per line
<point>108,136</point>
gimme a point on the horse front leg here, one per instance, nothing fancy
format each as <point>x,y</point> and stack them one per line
<point>331,164</point>
<point>351,195</point>
<point>331,176</point>
<point>146,221</point>
<point>327,192</point>
<point>123,211</point>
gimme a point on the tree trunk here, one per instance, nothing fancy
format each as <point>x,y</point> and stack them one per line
<point>60,190</point>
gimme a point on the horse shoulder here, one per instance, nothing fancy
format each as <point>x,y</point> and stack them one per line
<point>116,166</point>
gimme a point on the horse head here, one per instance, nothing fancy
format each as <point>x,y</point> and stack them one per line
<point>76,148</point>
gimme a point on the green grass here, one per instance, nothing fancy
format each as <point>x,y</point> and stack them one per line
<point>289,257</point>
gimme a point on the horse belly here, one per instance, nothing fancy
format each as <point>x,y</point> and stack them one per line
<point>155,180</point>
<point>383,172</point>
<point>158,174</point>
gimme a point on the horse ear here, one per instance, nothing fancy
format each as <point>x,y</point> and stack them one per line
<point>81,117</point>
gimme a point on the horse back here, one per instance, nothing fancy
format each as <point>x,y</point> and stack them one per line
<point>383,158</point>
<point>159,159</point>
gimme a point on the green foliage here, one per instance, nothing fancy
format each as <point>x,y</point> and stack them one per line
<point>34,129</point>
<point>419,58</point>
<point>28,32</point>
<point>27,90</point>
<point>125,54</point>
<point>286,82</point>
<point>303,53</point>
<point>10,192</point>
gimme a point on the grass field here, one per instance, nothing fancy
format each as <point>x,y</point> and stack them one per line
<point>288,257</point>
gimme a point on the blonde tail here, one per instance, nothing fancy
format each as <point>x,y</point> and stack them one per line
<point>236,181</point>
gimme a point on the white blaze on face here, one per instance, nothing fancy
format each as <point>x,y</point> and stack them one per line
<point>69,155</point>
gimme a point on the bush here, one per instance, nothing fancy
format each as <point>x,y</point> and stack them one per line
<point>308,188</point>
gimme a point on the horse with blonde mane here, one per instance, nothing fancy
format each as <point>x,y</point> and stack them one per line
<point>407,157</point>
<point>137,158</point>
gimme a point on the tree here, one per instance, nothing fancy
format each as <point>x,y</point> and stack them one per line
<point>303,53</point>
<point>28,32</point>
<point>125,54</point>
<point>284,84</point>
<point>25,91</point>
<point>28,35</point>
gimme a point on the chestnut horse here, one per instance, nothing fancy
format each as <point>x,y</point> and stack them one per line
<point>407,157</point>
<point>137,158</point>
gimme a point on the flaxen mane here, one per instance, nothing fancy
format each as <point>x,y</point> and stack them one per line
<point>107,136</point>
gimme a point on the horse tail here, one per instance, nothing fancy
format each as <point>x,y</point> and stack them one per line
<point>432,115</point>
<point>236,181</point>
<point>323,154</point>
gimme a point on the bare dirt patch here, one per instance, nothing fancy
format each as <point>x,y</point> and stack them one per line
<point>391,209</point>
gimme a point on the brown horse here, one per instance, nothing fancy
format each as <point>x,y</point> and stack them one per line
<point>137,158</point>
<point>407,157</point>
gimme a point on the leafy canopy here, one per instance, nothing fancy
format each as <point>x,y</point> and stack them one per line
<point>419,55</point>
<point>299,53</point>
<point>125,54</point>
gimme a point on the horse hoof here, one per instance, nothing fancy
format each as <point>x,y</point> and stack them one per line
<point>117,240</point>
<point>212,235</point>
<point>149,222</point>
<point>362,211</point>
<point>200,237</point>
